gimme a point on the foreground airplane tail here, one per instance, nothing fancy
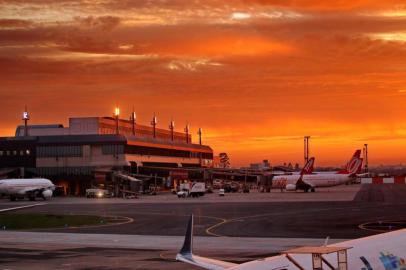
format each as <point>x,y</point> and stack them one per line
<point>354,165</point>
<point>186,253</point>
<point>308,167</point>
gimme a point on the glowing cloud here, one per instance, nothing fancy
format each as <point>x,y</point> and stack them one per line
<point>240,16</point>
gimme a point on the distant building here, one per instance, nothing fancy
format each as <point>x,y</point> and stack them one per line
<point>88,149</point>
<point>264,165</point>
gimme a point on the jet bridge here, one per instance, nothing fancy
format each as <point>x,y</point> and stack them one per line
<point>318,261</point>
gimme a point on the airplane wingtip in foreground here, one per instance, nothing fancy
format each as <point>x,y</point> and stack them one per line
<point>376,252</point>
<point>187,248</point>
<point>186,253</point>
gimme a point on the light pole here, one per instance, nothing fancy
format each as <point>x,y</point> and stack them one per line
<point>200,135</point>
<point>172,127</point>
<point>366,158</point>
<point>117,114</point>
<point>306,148</point>
<point>153,123</point>
<point>133,119</point>
<point>26,117</point>
<point>187,133</point>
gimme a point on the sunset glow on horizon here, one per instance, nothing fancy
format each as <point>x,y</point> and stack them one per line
<point>256,75</point>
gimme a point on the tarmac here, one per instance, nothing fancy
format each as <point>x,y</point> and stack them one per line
<point>238,227</point>
<point>32,250</point>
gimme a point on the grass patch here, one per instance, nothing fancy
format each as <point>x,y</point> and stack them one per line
<point>43,221</point>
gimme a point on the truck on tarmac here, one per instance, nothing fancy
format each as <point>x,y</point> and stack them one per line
<point>194,189</point>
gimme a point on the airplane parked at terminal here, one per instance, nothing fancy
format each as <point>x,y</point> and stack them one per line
<point>350,171</point>
<point>27,187</point>
<point>378,252</point>
<point>281,181</point>
<point>308,182</point>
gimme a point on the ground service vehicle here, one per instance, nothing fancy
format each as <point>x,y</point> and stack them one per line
<point>194,189</point>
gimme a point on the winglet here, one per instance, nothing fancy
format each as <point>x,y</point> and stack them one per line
<point>326,241</point>
<point>186,253</point>
<point>187,248</point>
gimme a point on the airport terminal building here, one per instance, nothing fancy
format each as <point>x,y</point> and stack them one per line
<point>90,148</point>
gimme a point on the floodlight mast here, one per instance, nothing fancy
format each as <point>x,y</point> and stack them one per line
<point>154,123</point>
<point>26,117</point>
<point>117,115</point>
<point>200,135</point>
<point>306,148</point>
<point>366,167</point>
<point>187,128</point>
<point>133,118</point>
<point>172,127</point>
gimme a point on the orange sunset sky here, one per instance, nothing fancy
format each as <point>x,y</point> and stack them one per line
<point>256,75</point>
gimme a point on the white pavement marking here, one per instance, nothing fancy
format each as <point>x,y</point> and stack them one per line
<point>157,242</point>
<point>21,207</point>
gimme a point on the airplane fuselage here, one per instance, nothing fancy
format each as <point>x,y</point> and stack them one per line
<point>378,252</point>
<point>312,180</point>
<point>281,181</point>
<point>326,180</point>
<point>23,187</point>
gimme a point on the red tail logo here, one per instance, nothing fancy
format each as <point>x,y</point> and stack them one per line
<point>354,165</point>
<point>308,167</point>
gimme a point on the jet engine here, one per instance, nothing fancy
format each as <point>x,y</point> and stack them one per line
<point>46,194</point>
<point>290,187</point>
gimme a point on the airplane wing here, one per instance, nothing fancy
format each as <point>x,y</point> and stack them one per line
<point>186,253</point>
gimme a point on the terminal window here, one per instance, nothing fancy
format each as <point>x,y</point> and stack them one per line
<point>60,151</point>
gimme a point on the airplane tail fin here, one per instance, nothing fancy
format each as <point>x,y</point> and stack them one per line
<point>308,167</point>
<point>187,248</point>
<point>186,253</point>
<point>354,165</point>
<point>358,167</point>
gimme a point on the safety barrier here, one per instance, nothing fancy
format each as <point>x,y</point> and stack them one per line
<point>384,180</point>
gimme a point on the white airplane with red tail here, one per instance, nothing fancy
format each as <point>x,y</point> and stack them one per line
<point>281,181</point>
<point>308,182</point>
